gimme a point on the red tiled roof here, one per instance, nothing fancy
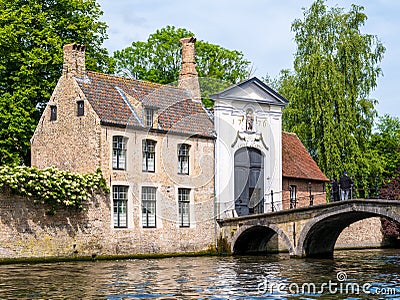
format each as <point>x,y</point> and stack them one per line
<point>110,97</point>
<point>296,161</point>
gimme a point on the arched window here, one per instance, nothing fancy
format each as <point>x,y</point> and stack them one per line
<point>249,181</point>
<point>119,153</point>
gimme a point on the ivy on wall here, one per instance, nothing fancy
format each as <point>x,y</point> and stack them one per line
<point>52,186</point>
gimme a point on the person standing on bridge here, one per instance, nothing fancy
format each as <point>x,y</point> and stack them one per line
<point>345,184</point>
<point>335,190</point>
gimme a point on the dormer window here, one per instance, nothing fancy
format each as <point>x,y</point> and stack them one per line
<point>149,117</point>
<point>81,108</point>
<point>53,112</point>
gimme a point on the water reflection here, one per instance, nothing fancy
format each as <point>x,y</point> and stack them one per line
<point>201,277</point>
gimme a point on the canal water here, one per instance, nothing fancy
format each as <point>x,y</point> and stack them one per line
<point>357,274</point>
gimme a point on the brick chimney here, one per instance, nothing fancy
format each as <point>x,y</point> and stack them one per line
<point>74,60</point>
<point>188,77</point>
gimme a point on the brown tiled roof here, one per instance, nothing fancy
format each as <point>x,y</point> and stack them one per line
<point>296,161</point>
<point>110,96</point>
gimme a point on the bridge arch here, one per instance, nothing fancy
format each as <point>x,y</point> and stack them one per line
<point>253,239</point>
<point>318,236</point>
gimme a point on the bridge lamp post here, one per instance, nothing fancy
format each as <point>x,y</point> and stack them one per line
<point>311,196</point>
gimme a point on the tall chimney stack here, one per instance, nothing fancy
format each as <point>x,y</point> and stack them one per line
<point>74,60</point>
<point>188,77</point>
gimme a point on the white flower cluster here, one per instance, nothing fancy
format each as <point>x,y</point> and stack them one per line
<point>52,186</point>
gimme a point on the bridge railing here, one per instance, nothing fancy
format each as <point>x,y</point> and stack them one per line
<point>386,191</point>
<point>294,201</point>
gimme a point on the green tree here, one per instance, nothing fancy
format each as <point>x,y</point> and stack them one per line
<point>336,67</point>
<point>386,141</point>
<point>32,34</point>
<point>159,59</point>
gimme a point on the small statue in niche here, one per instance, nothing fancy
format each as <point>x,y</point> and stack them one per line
<point>249,120</point>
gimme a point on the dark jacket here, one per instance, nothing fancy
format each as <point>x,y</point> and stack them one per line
<point>345,182</point>
<point>335,186</point>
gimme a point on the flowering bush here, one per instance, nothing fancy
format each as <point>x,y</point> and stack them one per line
<point>52,186</point>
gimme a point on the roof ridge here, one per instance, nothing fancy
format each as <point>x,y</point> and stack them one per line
<point>291,133</point>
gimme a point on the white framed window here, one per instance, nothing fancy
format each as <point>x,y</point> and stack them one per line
<point>120,203</point>
<point>293,196</point>
<point>149,117</point>
<point>183,159</point>
<point>149,202</point>
<point>149,156</point>
<point>184,207</point>
<point>119,153</point>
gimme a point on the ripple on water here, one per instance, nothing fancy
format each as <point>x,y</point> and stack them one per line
<point>199,277</point>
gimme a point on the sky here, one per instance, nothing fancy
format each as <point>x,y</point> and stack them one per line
<point>261,29</point>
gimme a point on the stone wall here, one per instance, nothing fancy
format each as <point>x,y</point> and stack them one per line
<point>26,231</point>
<point>364,233</point>
<point>70,142</point>
<point>165,178</point>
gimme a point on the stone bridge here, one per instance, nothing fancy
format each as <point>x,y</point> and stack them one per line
<point>307,231</point>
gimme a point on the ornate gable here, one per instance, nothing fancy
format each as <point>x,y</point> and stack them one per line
<point>252,90</point>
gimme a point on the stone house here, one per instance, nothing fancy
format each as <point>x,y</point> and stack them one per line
<point>153,143</point>
<point>174,167</point>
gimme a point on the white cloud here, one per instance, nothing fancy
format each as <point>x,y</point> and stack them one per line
<point>258,28</point>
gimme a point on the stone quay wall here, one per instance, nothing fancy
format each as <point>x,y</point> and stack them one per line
<point>27,231</point>
<point>362,234</point>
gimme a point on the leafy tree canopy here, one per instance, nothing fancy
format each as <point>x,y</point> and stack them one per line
<point>159,60</point>
<point>32,34</point>
<point>336,67</point>
<point>386,141</point>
